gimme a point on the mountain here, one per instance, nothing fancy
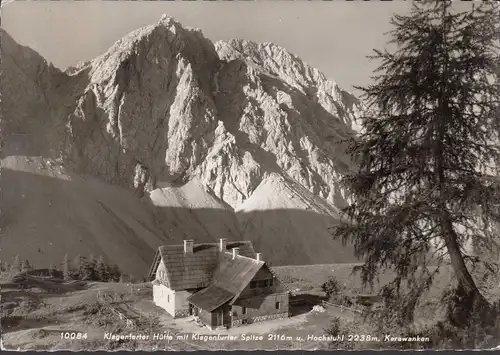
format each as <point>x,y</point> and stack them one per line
<point>168,135</point>
<point>30,89</point>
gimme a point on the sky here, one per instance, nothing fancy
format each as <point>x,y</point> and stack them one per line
<point>334,36</point>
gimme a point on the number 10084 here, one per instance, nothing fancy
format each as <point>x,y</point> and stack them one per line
<point>73,335</point>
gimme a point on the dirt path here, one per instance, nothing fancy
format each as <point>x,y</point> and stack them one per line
<point>187,325</point>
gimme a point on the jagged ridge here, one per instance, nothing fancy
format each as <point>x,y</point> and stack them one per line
<point>165,108</point>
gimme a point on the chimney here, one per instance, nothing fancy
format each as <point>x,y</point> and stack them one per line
<point>236,251</point>
<point>222,244</point>
<point>259,257</point>
<point>188,246</point>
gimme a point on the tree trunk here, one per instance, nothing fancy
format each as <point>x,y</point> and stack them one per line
<point>468,300</point>
<point>463,275</point>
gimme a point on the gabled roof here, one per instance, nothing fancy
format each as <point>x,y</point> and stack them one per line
<point>235,274</point>
<point>188,271</point>
<point>230,278</point>
<point>210,298</point>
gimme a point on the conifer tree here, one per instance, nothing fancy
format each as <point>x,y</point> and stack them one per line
<point>425,185</point>
<point>82,267</point>
<point>75,272</point>
<point>90,271</point>
<point>17,264</point>
<point>52,270</point>
<point>114,273</point>
<point>101,269</point>
<point>66,267</point>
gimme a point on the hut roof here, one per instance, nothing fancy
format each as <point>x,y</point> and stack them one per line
<point>235,274</point>
<point>194,270</point>
<point>210,298</point>
<point>230,278</point>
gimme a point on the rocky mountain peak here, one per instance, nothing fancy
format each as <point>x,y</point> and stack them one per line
<point>252,126</point>
<point>162,93</point>
<point>278,62</point>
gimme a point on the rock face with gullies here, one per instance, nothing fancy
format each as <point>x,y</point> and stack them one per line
<point>146,111</point>
<point>164,108</point>
<point>166,104</point>
<point>287,115</point>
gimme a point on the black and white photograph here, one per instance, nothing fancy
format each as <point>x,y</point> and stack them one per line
<point>249,175</point>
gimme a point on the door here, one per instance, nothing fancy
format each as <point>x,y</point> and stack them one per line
<point>228,317</point>
<point>220,317</point>
<point>193,310</point>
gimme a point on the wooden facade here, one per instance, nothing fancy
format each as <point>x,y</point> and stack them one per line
<point>221,317</point>
<point>206,317</point>
<point>256,303</point>
<point>258,309</point>
<point>246,311</point>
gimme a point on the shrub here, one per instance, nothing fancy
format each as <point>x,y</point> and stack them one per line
<point>148,322</point>
<point>122,344</point>
<point>335,327</point>
<point>345,301</point>
<point>26,266</point>
<point>338,328</point>
<point>93,308</point>
<point>4,266</point>
<point>332,286</point>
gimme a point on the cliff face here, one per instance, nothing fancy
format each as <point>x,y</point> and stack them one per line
<point>144,111</point>
<point>286,115</point>
<point>250,125</point>
<point>165,104</point>
<point>31,101</point>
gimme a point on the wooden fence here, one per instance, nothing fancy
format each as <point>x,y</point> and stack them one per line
<point>342,307</point>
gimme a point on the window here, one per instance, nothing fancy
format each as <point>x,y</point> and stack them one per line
<point>262,283</point>
<point>271,283</point>
<point>253,284</point>
<point>277,305</point>
<point>243,310</point>
<point>168,298</point>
